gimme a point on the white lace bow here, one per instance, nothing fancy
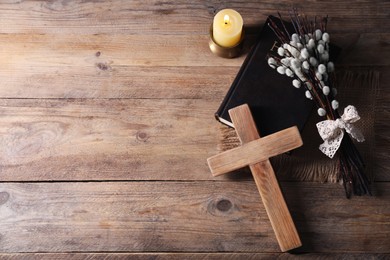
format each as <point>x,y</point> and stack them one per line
<point>332,131</point>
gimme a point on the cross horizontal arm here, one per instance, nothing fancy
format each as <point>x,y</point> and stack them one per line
<point>255,151</point>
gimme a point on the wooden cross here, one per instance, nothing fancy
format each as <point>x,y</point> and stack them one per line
<point>255,151</point>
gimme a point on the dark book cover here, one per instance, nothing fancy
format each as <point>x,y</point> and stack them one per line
<point>274,102</point>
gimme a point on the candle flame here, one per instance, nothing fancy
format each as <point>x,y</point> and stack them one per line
<point>226,19</point>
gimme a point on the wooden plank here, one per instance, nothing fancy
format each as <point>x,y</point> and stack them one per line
<point>185,217</point>
<point>106,139</point>
<point>381,162</point>
<point>362,49</point>
<point>179,17</point>
<point>137,66</point>
<point>189,256</point>
<point>108,52</point>
<point>119,82</point>
<point>46,50</point>
<point>114,140</point>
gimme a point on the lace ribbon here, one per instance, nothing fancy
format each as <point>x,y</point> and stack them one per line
<point>332,131</point>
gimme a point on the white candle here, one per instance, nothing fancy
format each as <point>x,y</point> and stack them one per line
<point>227,27</point>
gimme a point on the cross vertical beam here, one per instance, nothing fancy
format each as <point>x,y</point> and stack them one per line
<point>264,175</point>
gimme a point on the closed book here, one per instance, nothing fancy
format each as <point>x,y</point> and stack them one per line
<point>274,102</point>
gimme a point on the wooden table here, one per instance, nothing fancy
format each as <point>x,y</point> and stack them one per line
<point>106,122</point>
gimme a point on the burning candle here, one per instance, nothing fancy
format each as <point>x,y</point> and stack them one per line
<point>227,28</point>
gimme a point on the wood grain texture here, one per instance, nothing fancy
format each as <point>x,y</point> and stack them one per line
<point>114,139</point>
<point>382,130</point>
<point>179,17</point>
<point>138,66</point>
<point>191,256</point>
<point>255,151</point>
<point>112,91</point>
<point>106,139</point>
<point>170,216</point>
<point>265,178</point>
